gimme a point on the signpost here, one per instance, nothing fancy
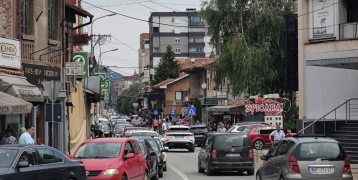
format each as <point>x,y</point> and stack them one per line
<point>52,88</point>
<point>173,113</point>
<point>191,113</point>
<point>155,112</point>
<point>82,57</point>
<point>103,82</point>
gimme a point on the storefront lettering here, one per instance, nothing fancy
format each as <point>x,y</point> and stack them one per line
<point>4,110</point>
<point>19,109</point>
<point>29,94</point>
<point>263,108</point>
<point>37,74</point>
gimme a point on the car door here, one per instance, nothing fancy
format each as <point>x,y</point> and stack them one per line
<point>152,159</point>
<point>140,158</point>
<point>33,171</point>
<point>53,164</point>
<point>130,164</point>
<point>277,165</point>
<point>268,164</point>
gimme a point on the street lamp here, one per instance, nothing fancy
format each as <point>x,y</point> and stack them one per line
<point>106,52</point>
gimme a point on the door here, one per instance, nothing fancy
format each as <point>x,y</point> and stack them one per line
<point>34,171</point>
<point>141,159</point>
<point>53,164</point>
<point>272,156</point>
<point>282,158</point>
<point>131,164</point>
<point>152,159</point>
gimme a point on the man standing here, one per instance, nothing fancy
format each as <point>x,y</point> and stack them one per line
<point>8,139</point>
<point>222,128</point>
<point>197,122</point>
<point>164,127</point>
<point>98,133</point>
<point>277,134</point>
<point>26,138</point>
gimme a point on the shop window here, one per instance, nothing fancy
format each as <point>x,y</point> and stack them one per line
<point>13,123</point>
<point>180,95</point>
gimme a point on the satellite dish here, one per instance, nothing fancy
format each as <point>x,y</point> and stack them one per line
<point>203,86</point>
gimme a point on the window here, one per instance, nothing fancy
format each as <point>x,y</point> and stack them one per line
<point>148,146</point>
<point>352,11</point>
<point>177,21</point>
<point>136,146</point>
<point>128,148</point>
<point>273,150</point>
<point>155,29</point>
<point>47,156</point>
<point>229,140</point>
<point>144,150</point>
<point>177,30</point>
<point>154,145</point>
<point>314,150</point>
<point>177,40</point>
<point>50,18</point>
<point>285,147</point>
<point>24,16</point>
<point>58,157</point>
<point>180,95</point>
<point>30,156</point>
<point>199,50</point>
<point>177,51</point>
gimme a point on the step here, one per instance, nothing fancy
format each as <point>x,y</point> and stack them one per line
<point>353,157</point>
<point>348,144</point>
<point>349,148</point>
<point>347,128</point>
<point>345,132</point>
<point>354,161</point>
<point>350,125</point>
<point>344,136</point>
<point>345,140</point>
<point>352,153</point>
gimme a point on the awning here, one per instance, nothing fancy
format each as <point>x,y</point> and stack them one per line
<point>227,108</point>
<point>19,87</point>
<point>13,105</point>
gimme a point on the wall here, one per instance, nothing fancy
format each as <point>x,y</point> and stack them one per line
<point>168,20</point>
<point>195,85</point>
<point>7,15</point>
<point>210,92</point>
<point>165,41</point>
<point>181,85</point>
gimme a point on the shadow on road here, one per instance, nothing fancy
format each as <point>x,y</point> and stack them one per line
<point>236,174</point>
<point>178,151</point>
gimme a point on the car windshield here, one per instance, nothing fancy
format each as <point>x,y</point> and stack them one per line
<point>98,150</point>
<point>154,145</point>
<point>179,130</point>
<point>233,127</point>
<point>7,157</point>
<point>247,130</point>
<point>315,150</point>
<point>122,122</point>
<point>199,129</point>
<point>231,140</point>
<point>144,134</point>
<point>103,122</point>
<point>105,127</point>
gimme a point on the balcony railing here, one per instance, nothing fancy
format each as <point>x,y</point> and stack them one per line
<point>196,23</point>
<point>27,47</point>
<point>349,31</point>
<point>55,56</point>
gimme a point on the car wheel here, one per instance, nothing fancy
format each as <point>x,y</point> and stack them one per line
<point>200,170</point>
<point>207,170</point>
<point>192,149</point>
<point>282,178</point>
<point>156,177</point>
<point>124,178</point>
<point>165,167</point>
<point>160,174</point>
<point>259,144</point>
<point>258,177</point>
<point>250,172</point>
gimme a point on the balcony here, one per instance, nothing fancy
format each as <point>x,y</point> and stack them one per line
<point>197,54</point>
<point>27,47</point>
<point>199,44</point>
<point>197,23</point>
<point>196,33</point>
<point>169,103</point>
<point>55,56</point>
<point>348,31</point>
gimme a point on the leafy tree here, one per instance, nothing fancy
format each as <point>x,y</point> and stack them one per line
<point>168,67</point>
<point>197,105</point>
<point>250,34</point>
<point>127,98</point>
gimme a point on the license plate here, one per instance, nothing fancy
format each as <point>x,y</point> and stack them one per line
<point>322,170</point>
<point>179,137</point>
<point>232,155</point>
<point>199,136</point>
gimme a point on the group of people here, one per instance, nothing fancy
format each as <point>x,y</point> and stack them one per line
<point>24,137</point>
<point>221,127</point>
<point>161,126</point>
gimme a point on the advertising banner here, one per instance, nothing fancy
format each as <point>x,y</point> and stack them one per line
<point>10,53</point>
<point>74,68</point>
<point>264,107</point>
<point>323,19</point>
<point>82,57</point>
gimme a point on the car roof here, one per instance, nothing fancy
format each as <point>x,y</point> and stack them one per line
<point>104,140</point>
<point>141,138</point>
<point>227,133</point>
<point>181,126</point>
<point>311,139</point>
<point>21,146</point>
<point>201,125</point>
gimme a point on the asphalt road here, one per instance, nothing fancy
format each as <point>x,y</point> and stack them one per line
<point>182,165</point>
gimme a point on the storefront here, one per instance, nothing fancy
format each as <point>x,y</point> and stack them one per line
<point>227,113</point>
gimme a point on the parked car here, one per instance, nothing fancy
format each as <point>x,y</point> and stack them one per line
<point>128,130</point>
<point>305,157</point>
<point>122,122</point>
<point>226,152</point>
<point>179,137</point>
<point>37,162</point>
<point>240,128</point>
<point>164,153</point>
<point>143,134</point>
<point>136,122</point>
<point>119,158</point>
<point>200,132</point>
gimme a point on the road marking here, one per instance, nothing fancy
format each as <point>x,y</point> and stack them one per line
<point>177,171</point>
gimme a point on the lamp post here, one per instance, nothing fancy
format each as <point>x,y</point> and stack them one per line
<point>103,53</point>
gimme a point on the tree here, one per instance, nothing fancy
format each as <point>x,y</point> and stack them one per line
<point>197,105</point>
<point>127,98</point>
<point>168,67</point>
<point>250,34</point>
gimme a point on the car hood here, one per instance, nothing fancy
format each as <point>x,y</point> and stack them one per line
<point>3,170</point>
<point>99,164</point>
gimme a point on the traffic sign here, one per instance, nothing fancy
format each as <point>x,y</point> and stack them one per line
<point>82,57</point>
<point>192,111</point>
<point>155,112</point>
<point>52,93</point>
<point>135,112</point>
<point>173,113</point>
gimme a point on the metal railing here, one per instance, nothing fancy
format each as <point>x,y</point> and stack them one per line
<point>349,115</point>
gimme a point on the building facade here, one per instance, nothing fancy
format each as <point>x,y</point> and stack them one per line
<point>144,59</point>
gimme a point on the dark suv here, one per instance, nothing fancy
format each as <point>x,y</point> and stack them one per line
<point>200,132</point>
<point>226,152</point>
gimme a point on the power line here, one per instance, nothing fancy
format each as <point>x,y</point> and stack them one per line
<point>124,44</point>
<point>144,5</point>
<point>114,4</point>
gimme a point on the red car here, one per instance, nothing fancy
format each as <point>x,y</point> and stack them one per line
<point>261,138</point>
<point>112,158</point>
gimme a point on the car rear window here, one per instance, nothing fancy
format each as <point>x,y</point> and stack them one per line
<point>319,150</point>
<point>179,130</point>
<point>247,130</point>
<point>7,157</point>
<point>144,134</point>
<point>199,129</point>
<point>231,140</point>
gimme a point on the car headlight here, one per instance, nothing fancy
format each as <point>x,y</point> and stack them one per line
<point>110,172</point>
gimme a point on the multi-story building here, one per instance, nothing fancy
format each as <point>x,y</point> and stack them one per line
<point>186,32</point>
<point>128,81</point>
<point>143,60</point>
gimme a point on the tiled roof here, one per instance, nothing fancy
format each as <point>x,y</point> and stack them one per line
<point>116,83</point>
<point>119,87</point>
<point>131,78</point>
<point>187,63</point>
<point>163,82</point>
<point>9,71</point>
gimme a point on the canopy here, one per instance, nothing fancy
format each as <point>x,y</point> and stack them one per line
<point>13,105</point>
<point>227,108</point>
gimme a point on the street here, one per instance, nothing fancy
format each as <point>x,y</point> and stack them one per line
<point>177,170</point>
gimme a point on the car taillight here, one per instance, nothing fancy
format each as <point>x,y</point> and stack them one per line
<point>189,135</point>
<point>293,164</point>
<point>169,134</point>
<point>347,165</point>
<point>213,153</point>
<point>251,155</point>
<point>163,156</point>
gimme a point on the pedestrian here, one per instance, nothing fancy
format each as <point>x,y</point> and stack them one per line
<point>26,138</point>
<point>228,126</point>
<point>221,128</point>
<point>39,141</point>
<point>178,123</point>
<point>155,125</point>
<point>186,123</point>
<point>8,139</point>
<point>197,122</point>
<point>168,124</point>
<point>278,134</point>
<point>21,131</point>
<point>214,128</point>
<point>98,133</point>
<point>164,128</point>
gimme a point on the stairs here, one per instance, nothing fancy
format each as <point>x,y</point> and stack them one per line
<point>347,136</point>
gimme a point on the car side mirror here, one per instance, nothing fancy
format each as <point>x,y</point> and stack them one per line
<point>24,164</point>
<point>166,148</point>
<point>130,155</point>
<point>264,157</point>
<point>70,156</point>
<point>152,153</point>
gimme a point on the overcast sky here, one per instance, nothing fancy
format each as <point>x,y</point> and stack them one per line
<point>125,29</point>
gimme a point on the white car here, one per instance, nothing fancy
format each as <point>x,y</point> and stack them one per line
<point>179,137</point>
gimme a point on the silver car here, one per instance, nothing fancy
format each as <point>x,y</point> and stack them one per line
<point>305,157</point>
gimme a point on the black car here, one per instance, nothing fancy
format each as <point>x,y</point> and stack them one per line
<point>226,152</point>
<point>27,162</point>
<point>153,155</point>
<point>200,132</point>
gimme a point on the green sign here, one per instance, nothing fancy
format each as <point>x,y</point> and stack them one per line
<point>82,57</point>
<point>104,85</point>
<point>105,91</point>
<point>212,101</point>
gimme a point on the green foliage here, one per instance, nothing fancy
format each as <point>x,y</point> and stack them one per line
<point>250,34</point>
<point>168,67</point>
<point>127,98</point>
<point>197,105</point>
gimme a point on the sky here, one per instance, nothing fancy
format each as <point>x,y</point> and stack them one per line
<point>125,29</point>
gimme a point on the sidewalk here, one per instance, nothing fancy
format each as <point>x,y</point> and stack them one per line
<point>354,168</point>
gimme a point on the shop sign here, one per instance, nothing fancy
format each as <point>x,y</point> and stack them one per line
<point>80,39</point>
<point>264,107</point>
<point>82,57</point>
<point>36,74</point>
<point>15,109</point>
<point>323,19</point>
<point>212,101</point>
<point>221,94</point>
<point>10,53</point>
<point>135,104</point>
<point>74,68</point>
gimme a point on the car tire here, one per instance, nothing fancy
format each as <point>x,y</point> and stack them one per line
<point>250,172</point>
<point>258,177</point>
<point>165,167</point>
<point>123,178</point>
<point>282,178</point>
<point>200,170</point>
<point>156,177</point>
<point>207,170</point>
<point>259,144</point>
<point>192,149</point>
<point>160,175</point>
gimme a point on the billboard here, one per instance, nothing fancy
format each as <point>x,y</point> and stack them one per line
<point>264,107</point>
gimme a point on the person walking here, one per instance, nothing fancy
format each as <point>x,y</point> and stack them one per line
<point>98,133</point>
<point>278,134</point>
<point>155,125</point>
<point>221,128</point>
<point>164,128</point>
<point>197,122</point>
<point>26,138</point>
<point>8,139</point>
<point>21,131</point>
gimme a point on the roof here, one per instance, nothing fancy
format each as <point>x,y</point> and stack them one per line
<point>131,78</point>
<point>9,71</point>
<point>164,84</point>
<point>116,83</point>
<point>187,64</point>
<point>79,11</point>
<point>227,133</point>
<point>179,126</point>
<point>312,139</point>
